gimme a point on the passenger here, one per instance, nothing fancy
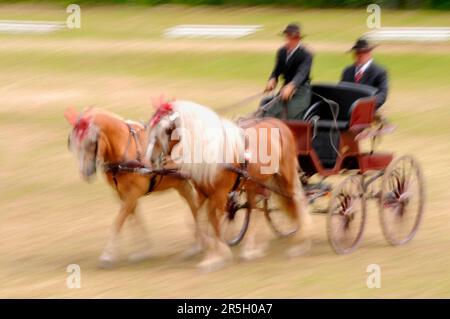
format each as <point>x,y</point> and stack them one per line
<point>365,71</point>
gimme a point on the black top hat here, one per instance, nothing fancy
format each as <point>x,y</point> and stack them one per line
<point>292,29</point>
<point>362,45</point>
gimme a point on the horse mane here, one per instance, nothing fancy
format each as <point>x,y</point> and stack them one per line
<point>201,123</point>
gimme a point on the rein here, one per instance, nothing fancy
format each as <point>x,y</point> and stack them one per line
<point>133,168</point>
<point>244,174</point>
<point>240,103</point>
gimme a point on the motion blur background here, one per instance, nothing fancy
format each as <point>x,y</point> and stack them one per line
<point>118,60</point>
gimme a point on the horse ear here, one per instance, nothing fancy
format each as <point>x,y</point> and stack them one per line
<point>157,102</point>
<point>154,103</point>
<point>71,115</point>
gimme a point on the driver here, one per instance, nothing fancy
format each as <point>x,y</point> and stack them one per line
<point>293,62</point>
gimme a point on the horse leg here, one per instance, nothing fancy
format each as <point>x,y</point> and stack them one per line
<point>219,253</point>
<point>195,200</point>
<point>109,255</point>
<point>297,209</point>
<point>142,240</point>
<point>250,248</point>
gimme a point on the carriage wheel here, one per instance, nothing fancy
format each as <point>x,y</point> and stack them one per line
<point>280,223</point>
<point>401,200</point>
<point>235,222</point>
<point>347,215</point>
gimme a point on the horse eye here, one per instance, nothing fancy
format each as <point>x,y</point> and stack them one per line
<point>170,128</point>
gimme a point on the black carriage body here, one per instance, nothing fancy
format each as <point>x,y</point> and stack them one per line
<point>327,137</point>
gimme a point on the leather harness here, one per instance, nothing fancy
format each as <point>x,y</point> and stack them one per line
<point>134,166</point>
<point>116,168</point>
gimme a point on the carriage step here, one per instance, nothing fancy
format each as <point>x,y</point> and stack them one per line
<point>320,211</point>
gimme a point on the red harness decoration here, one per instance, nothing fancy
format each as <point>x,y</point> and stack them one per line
<point>163,109</point>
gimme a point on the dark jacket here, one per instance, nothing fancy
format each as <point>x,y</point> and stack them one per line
<point>374,76</point>
<point>296,69</point>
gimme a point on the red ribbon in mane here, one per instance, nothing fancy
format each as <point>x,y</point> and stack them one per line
<point>82,127</point>
<point>163,109</point>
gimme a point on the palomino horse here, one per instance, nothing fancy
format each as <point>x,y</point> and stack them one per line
<point>196,138</point>
<point>103,137</point>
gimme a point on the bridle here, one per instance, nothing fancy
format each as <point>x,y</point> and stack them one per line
<point>83,131</point>
<point>165,111</point>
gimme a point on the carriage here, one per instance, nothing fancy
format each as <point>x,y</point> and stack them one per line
<point>328,144</point>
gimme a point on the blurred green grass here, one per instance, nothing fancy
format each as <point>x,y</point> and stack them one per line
<point>407,70</point>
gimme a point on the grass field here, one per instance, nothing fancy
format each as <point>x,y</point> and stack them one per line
<point>118,60</point>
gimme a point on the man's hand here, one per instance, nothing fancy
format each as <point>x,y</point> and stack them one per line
<point>287,91</point>
<point>271,85</point>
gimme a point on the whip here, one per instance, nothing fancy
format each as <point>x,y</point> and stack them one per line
<point>241,102</point>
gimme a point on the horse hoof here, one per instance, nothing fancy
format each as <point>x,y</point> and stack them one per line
<point>191,252</point>
<point>213,264</point>
<point>299,250</point>
<point>251,254</point>
<point>107,260</point>
<point>106,264</point>
<point>140,256</point>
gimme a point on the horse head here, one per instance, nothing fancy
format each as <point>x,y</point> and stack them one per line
<point>83,141</point>
<point>162,125</point>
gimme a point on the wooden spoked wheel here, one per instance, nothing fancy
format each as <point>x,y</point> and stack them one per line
<point>235,221</point>
<point>401,200</point>
<point>347,215</point>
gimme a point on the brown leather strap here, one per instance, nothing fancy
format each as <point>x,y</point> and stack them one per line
<point>132,135</point>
